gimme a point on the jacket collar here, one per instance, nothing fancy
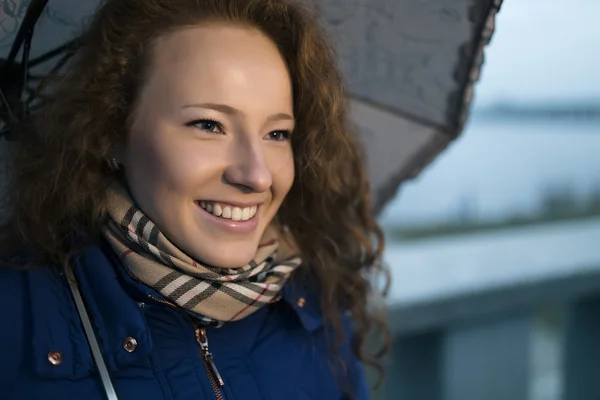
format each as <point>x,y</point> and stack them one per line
<point>113,300</point>
<point>304,303</point>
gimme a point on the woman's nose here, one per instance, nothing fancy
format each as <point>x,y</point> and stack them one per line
<point>248,170</point>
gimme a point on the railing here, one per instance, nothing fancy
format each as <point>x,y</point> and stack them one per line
<point>471,322</point>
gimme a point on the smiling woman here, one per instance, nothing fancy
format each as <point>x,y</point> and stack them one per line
<point>193,177</point>
<point>208,129</point>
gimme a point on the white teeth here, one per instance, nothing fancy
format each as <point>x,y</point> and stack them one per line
<point>246,214</point>
<point>226,212</point>
<point>233,213</point>
<point>217,210</point>
<point>236,214</point>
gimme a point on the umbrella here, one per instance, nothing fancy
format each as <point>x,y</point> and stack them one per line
<point>410,67</point>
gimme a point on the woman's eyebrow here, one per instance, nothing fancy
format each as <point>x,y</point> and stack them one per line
<point>232,111</point>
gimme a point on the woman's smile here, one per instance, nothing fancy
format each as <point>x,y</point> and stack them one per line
<point>228,217</point>
<point>228,210</point>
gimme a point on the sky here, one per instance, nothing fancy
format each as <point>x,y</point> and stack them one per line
<point>541,51</point>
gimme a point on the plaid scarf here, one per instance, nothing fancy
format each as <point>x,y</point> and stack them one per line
<point>213,295</point>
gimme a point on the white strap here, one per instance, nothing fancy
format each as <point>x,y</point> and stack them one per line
<point>111,394</point>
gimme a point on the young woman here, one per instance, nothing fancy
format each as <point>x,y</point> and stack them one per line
<point>189,216</point>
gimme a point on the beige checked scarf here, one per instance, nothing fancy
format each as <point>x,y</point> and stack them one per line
<point>213,295</point>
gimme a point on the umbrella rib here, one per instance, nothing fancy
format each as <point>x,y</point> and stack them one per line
<point>25,68</point>
<point>6,104</point>
<point>5,132</point>
<point>52,53</point>
<point>34,10</point>
<point>402,113</point>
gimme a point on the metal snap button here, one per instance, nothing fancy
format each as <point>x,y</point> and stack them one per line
<point>130,344</point>
<point>301,302</point>
<point>55,358</point>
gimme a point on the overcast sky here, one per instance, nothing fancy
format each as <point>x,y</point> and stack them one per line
<point>543,50</point>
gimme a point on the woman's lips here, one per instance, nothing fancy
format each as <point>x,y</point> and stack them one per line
<point>229,211</point>
<point>231,218</point>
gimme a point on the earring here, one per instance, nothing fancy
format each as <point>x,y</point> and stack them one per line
<point>112,164</point>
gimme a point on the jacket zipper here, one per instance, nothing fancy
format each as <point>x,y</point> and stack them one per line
<point>209,363</point>
<point>216,381</point>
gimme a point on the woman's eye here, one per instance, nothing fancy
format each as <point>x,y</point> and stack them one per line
<point>279,135</point>
<point>208,125</point>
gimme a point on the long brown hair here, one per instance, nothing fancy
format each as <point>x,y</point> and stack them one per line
<point>57,170</point>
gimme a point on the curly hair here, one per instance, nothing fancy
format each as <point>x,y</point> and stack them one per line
<point>57,170</point>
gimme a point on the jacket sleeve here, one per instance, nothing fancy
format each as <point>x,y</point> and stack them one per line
<point>13,345</point>
<point>359,380</point>
<point>356,370</point>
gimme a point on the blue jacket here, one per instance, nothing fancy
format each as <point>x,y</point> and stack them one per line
<point>151,349</point>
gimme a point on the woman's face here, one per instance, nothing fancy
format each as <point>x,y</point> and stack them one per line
<point>209,158</point>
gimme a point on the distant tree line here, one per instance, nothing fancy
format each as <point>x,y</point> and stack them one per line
<point>557,203</point>
<point>576,110</point>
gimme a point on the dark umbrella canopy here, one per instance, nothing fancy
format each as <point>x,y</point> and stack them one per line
<point>410,66</point>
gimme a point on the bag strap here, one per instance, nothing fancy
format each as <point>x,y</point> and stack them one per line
<point>109,388</point>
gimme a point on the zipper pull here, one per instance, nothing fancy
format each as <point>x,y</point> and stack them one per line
<point>202,340</point>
